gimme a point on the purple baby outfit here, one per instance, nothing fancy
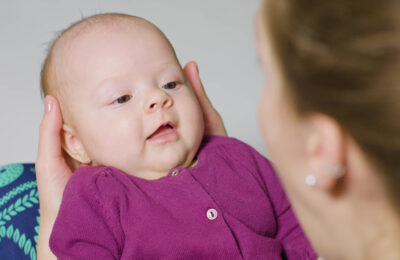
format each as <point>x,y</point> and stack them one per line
<point>231,205</point>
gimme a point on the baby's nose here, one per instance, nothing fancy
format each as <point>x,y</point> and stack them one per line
<point>158,100</point>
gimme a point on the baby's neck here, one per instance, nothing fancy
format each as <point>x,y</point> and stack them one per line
<point>155,175</point>
<point>193,163</point>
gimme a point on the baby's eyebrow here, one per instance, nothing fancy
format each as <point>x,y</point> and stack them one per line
<point>103,87</point>
<point>168,64</point>
<point>172,69</point>
<point>106,86</point>
<point>107,83</point>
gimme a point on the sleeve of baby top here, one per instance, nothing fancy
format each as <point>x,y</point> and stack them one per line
<point>84,228</point>
<point>289,232</point>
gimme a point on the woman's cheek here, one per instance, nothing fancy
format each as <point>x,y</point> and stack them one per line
<point>264,117</point>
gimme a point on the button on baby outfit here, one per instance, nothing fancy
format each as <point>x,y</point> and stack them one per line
<point>212,214</point>
<point>175,172</point>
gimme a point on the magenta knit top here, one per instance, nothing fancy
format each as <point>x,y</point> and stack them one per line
<point>231,205</point>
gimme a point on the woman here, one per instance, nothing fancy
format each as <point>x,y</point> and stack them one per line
<point>328,116</point>
<point>332,100</point>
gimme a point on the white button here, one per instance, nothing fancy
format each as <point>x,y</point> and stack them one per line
<point>212,214</point>
<point>175,172</point>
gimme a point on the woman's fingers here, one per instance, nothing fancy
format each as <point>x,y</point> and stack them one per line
<point>52,174</point>
<point>52,170</point>
<point>213,121</point>
<point>50,127</point>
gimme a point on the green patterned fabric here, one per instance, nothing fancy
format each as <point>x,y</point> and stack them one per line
<point>19,211</point>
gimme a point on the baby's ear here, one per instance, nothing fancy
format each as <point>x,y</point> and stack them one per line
<point>73,146</point>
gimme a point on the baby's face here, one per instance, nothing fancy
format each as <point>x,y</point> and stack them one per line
<point>130,105</point>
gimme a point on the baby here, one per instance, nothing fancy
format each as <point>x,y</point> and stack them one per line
<point>152,186</point>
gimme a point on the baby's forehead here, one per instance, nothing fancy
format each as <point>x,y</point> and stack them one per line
<point>102,25</point>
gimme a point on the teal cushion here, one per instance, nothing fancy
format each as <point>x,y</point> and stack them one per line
<point>19,211</point>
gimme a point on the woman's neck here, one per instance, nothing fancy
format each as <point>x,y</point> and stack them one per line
<point>384,243</point>
<point>372,221</point>
<point>373,232</point>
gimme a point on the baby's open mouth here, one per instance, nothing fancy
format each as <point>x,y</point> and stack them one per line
<point>164,129</point>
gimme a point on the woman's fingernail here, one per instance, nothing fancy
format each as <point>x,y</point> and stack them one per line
<point>197,68</point>
<point>47,105</point>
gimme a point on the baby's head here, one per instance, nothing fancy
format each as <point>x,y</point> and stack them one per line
<point>123,95</point>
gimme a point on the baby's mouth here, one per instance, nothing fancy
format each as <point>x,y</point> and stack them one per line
<point>164,129</point>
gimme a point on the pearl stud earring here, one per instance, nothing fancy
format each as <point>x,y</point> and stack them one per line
<point>310,180</point>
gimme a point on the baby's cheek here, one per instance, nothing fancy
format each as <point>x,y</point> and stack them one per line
<point>196,126</point>
<point>194,115</point>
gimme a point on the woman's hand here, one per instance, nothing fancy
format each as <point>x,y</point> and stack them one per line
<point>213,121</point>
<point>52,173</point>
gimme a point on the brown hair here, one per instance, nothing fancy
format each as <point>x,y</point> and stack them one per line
<point>342,58</point>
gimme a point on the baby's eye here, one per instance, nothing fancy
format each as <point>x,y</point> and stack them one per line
<point>122,99</point>
<point>170,85</point>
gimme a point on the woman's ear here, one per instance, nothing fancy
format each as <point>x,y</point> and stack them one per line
<point>325,151</point>
<point>73,146</point>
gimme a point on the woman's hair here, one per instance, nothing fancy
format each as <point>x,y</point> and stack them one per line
<point>342,58</point>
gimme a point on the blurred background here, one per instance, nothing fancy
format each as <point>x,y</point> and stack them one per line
<point>219,35</point>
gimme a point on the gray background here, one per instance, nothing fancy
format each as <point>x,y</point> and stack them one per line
<point>218,34</point>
